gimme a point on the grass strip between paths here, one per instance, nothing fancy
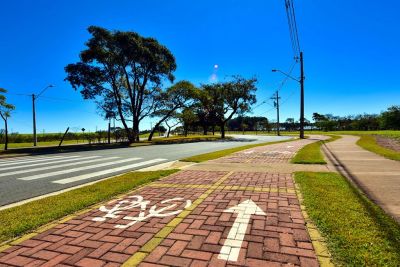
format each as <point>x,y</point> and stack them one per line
<point>312,154</point>
<point>224,152</point>
<point>27,217</point>
<point>368,142</point>
<point>358,232</point>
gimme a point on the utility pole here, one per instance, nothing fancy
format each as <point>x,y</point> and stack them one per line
<point>34,120</point>
<point>34,97</point>
<point>301,96</point>
<point>276,104</point>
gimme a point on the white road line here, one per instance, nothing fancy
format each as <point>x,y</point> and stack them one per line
<point>99,173</point>
<point>86,160</point>
<point>44,175</point>
<point>36,160</point>
<point>45,163</point>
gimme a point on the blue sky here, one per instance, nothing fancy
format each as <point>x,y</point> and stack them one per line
<point>350,50</point>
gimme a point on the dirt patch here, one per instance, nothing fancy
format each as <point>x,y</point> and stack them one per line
<point>388,142</point>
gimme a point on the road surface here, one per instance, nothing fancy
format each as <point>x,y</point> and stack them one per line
<point>27,177</point>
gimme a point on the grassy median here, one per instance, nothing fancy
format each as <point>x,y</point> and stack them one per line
<point>358,232</point>
<point>225,152</point>
<point>25,218</point>
<point>312,154</point>
<point>368,142</point>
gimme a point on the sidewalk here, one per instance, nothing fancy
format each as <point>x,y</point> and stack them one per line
<point>377,176</point>
<point>240,210</point>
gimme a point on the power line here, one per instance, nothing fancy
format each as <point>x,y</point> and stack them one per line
<point>293,32</point>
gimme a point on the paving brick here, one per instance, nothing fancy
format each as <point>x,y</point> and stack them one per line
<point>89,262</point>
<point>196,254</point>
<point>156,254</point>
<point>255,250</point>
<point>175,261</point>
<point>115,257</point>
<point>19,260</point>
<point>307,262</point>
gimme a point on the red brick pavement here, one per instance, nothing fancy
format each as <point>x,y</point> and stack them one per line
<point>92,239</point>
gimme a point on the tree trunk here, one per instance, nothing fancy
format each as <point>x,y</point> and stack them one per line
<point>222,130</point>
<point>213,129</point>
<point>205,128</point>
<point>6,132</point>
<point>169,131</point>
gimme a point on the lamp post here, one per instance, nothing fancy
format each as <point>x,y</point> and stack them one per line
<point>34,97</point>
<point>301,81</point>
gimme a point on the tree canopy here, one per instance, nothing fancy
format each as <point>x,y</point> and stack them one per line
<point>123,72</point>
<point>5,113</point>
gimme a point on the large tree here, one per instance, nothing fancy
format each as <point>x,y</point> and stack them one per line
<point>123,72</point>
<point>174,99</point>
<point>229,98</point>
<point>5,113</point>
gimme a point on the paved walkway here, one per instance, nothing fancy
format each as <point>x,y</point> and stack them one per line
<point>377,176</point>
<point>233,215</point>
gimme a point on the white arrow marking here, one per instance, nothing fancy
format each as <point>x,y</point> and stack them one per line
<point>233,243</point>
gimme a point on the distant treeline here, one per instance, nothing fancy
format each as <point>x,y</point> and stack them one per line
<point>92,137</point>
<point>387,120</point>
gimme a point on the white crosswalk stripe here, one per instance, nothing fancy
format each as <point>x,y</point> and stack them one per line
<point>104,172</point>
<point>15,162</point>
<point>44,175</point>
<point>82,161</point>
<point>24,165</point>
<point>5,160</point>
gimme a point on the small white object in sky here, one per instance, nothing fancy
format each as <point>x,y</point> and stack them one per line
<point>216,66</point>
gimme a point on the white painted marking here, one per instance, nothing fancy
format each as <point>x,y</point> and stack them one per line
<point>44,175</point>
<point>15,162</point>
<point>45,163</point>
<point>136,202</point>
<point>233,243</point>
<point>290,146</point>
<point>87,160</point>
<point>248,152</point>
<point>99,173</point>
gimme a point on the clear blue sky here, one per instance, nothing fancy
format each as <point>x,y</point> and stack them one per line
<point>350,49</point>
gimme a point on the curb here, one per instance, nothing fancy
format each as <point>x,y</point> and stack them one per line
<point>318,242</point>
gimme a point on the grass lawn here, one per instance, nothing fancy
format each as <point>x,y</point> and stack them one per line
<point>368,142</point>
<point>358,232</point>
<point>312,154</point>
<point>41,144</point>
<point>27,217</point>
<point>222,153</point>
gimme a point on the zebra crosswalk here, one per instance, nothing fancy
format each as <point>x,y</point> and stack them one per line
<point>63,170</point>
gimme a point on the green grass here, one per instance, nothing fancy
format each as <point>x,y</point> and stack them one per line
<point>41,144</point>
<point>358,232</point>
<point>312,154</point>
<point>368,142</point>
<point>27,217</point>
<point>224,152</point>
<point>186,139</point>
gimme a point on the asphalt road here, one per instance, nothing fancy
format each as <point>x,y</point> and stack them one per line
<point>27,177</point>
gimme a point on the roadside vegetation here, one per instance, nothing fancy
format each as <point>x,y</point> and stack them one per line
<point>225,152</point>
<point>312,154</point>
<point>358,232</point>
<point>27,217</point>
<point>368,142</point>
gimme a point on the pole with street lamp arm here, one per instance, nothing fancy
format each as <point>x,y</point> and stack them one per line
<point>34,97</point>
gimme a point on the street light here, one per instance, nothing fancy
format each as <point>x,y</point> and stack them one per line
<point>301,81</point>
<point>34,97</point>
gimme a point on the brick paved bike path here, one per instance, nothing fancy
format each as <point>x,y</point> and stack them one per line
<point>190,218</point>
